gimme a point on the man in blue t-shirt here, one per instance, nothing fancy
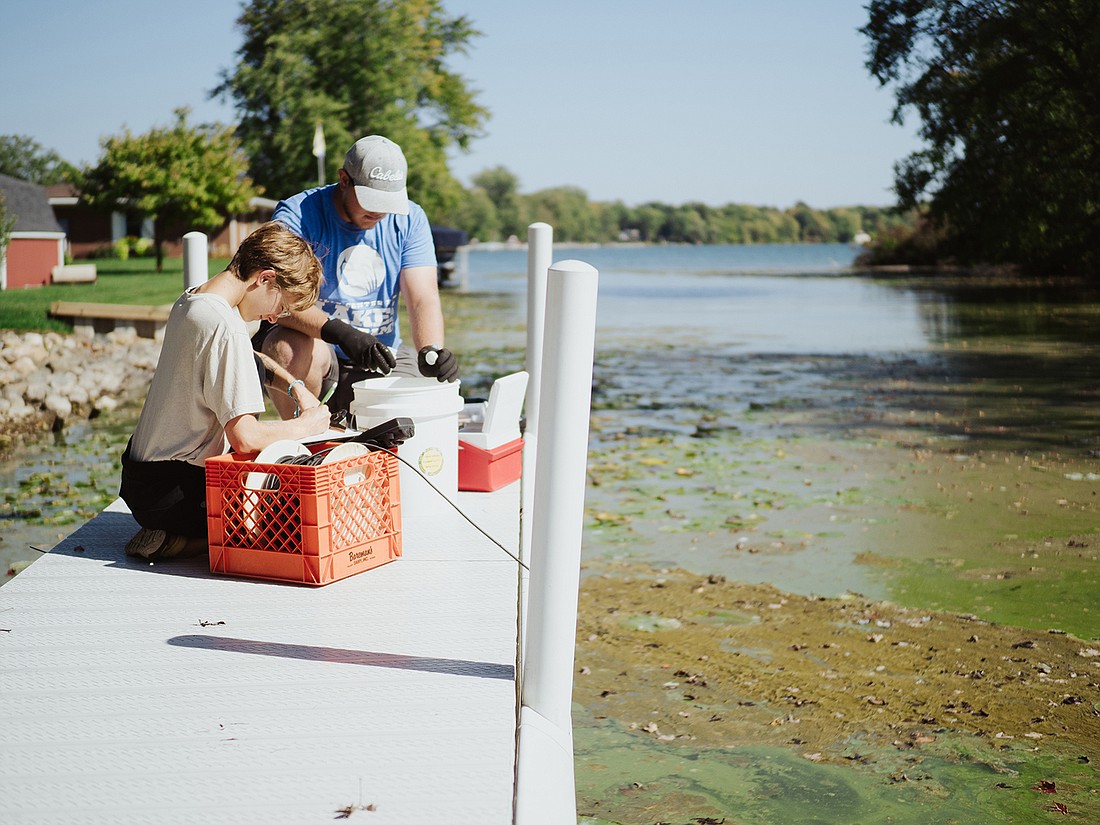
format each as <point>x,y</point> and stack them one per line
<point>375,246</point>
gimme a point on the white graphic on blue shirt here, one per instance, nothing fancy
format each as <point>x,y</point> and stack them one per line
<point>360,270</point>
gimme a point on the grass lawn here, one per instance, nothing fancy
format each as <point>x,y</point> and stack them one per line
<point>134,281</point>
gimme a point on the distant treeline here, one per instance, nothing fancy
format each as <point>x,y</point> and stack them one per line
<point>494,210</point>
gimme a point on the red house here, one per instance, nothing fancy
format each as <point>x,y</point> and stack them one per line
<point>90,231</point>
<point>37,241</point>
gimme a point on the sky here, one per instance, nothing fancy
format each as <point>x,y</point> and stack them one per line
<point>763,102</point>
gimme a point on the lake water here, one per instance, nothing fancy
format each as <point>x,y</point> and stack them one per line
<point>782,298</point>
<point>766,414</point>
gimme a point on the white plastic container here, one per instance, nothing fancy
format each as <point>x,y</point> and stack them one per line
<point>433,450</point>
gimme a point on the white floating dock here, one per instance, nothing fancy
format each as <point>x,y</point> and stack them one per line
<point>134,693</point>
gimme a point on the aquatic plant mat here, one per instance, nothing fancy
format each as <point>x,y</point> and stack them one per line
<point>742,703</point>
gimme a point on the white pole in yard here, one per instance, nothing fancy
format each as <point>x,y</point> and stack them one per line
<point>545,786</point>
<point>195,267</point>
<point>319,151</point>
<point>540,250</point>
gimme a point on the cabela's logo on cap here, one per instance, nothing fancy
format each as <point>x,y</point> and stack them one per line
<point>390,174</point>
<point>378,169</point>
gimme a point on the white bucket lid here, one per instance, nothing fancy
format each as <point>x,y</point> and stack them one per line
<point>406,395</point>
<point>391,385</point>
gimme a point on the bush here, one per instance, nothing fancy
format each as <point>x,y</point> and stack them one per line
<point>927,243</point>
<point>125,248</point>
<point>142,247</point>
<point>105,251</point>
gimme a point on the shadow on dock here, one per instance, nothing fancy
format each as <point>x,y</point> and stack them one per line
<point>454,667</point>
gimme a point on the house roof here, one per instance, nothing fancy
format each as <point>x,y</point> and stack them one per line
<point>62,194</point>
<point>62,190</point>
<point>67,194</point>
<point>28,204</point>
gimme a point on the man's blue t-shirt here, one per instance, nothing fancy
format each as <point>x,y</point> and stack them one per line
<point>362,267</point>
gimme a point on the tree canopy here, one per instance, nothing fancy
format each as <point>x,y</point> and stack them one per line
<point>1008,95</point>
<point>25,158</point>
<point>501,188</point>
<point>358,67</point>
<point>493,209</point>
<point>183,177</point>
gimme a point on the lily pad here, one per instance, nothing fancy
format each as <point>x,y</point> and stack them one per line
<point>650,624</point>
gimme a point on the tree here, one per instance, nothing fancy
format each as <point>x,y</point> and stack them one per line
<point>25,158</point>
<point>610,220</point>
<point>724,227</point>
<point>813,227</point>
<point>478,216</point>
<point>846,224</point>
<point>502,187</point>
<point>650,220</point>
<point>182,177</point>
<point>566,209</point>
<point>687,224</point>
<point>359,67</point>
<point>1009,101</point>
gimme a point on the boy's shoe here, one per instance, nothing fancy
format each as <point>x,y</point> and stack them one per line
<point>152,544</point>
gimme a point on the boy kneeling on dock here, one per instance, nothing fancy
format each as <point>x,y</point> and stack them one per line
<point>207,392</point>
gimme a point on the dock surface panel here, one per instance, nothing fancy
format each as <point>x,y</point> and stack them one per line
<point>137,692</point>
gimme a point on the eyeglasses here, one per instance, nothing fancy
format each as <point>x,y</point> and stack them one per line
<point>280,301</point>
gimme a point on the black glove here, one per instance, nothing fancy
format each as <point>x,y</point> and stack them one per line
<point>364,350</point>
<point>440,364</point>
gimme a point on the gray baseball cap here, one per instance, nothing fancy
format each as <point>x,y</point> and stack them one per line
<point>378,169</point>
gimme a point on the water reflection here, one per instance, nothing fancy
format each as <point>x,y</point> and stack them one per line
<point>956,309</point>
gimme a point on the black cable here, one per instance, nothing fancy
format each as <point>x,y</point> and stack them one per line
<point>455,506</point>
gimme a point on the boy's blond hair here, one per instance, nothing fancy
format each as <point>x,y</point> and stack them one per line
<point>297,270</point>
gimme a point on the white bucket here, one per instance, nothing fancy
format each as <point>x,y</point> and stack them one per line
<point>433,450</point>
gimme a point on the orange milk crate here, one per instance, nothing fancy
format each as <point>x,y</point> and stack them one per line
<point>302,523</point>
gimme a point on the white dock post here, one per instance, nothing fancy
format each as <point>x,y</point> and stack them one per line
<point>540,249</point>
<point>462,267</point>
<point>545,785</point>
<point>195,268</point>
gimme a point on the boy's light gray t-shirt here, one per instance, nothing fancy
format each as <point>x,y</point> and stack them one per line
<point>206,376</point>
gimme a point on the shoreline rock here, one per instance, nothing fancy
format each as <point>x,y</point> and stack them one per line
<point>49,380</point>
